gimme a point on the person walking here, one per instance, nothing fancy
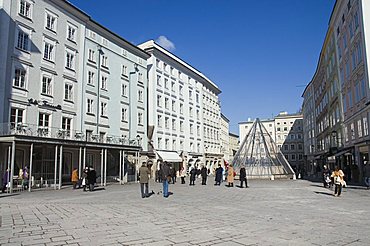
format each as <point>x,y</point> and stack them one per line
<point>367,174</point>
<point>230,176</point>
<point>91,177</point>
<point>218,178</point>
<point>204,174</point>
<point>338,175</point>
<point>193,174</point>
<point>6,178</point>
<point>243,177</point>
<point>25,178</point>
<point>173,174</point>
<point>165,171</point>
<point>183,175</point>
<point>84,181</point>
<point>144,180</point>
<point>74,178</point>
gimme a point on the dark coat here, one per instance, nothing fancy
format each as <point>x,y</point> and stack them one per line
<point>91,176</point>
<point>219,171</point>
<point>242,174</point>
<point>165,171</point>
<point>193,173</point>
<point>5,178</point>
<point>203,172</point>
<point>144,174</point>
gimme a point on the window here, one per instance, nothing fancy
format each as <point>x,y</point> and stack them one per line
<point>292,147</point>
<point>90,106</point>
<point>16,116</point>
<point>140,118</point>
<point>191,112</point>
<point>140,77</point>
<point>71,33</point>
<point>140,96</point>
<point>166,83</point>
<point>49,51</point>
<point>25,8</point>
<point>198,115</point>
<point>159,143</point>
<point>51,22</point>
<point>124,90</point>
<point>44,120</point>
<point>167,123</point>
<point>23,40</point>
<point>46,85</point>
<point>174,124</point>
<point>159,121</point>
<point>104,61</point>
<point>90,78</point>
<point>167,143</point>
<point>197,98</point>
<point>181,126</point>
<point>104,82</point>
<point>300,147</point>
<point>191,129</point>
<point>103,109</point>
<point>124,70</point>
<point>173,105</point>
<point>159,101</point>
<point>173,144</point>
<point>286,147</point>
<point>66,125</point>
<point>173,86</point>
<point>158,63</point>
<point>171,70</point>
<point>68,92</point>
<point>366,127</point>
<point>124,114</point>
<point>198,130</point>
<point>352,131</point>
<point>181,108</point>
<point>167,103</point>
<point>359,128</point>
<point>180,90</point>
<point>159,80</point>
<point>70,60</point>
<point>20,78</point>
<point>91,55</point>
<point>190,95</point>
<point>293,156</point>
<point>181,144</point>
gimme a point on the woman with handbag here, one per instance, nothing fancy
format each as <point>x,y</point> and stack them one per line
<point>338,175</point>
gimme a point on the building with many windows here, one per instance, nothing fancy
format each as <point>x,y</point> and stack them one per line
<point>340,89</point>
<point>224,138</point>
<point>63,79</point>
<point>286,130</point>
<point>183,112</point>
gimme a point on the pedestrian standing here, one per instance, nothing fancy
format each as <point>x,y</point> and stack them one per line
<point>367,174</point>
<point>25,178</point>
<point>5,180</point>
<point>338,175</point>
<point>165,176</point>
<point>144,180</point>
<point>193,174</point>
<point>230,176</point>
<point>204,174</point>
<point>91,177</point>
<point>173,175</point>
<point>183,175</point>
<point>218,178</point>
<point>243,177</point>
<point>84,178</point>
<point>74,178</point>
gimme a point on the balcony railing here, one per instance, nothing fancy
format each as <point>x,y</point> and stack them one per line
<point>22,129</point>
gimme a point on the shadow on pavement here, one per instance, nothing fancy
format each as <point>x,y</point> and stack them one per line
<point>323,193</point>
<point>8,195</point>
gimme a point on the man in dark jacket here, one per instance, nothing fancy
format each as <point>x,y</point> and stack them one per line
<point>193,173</point>
<point>165,174</point>
<point>204,174</point>
<point>91,177</point>
<point>144,180</point>
<point>243,177</point>
<point>218,177</point>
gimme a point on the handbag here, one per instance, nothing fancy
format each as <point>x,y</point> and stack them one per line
<point>337,180</point>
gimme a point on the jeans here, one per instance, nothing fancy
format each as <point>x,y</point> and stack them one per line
<point>338,189</point>
<point>165,188</point>
<point>146,192</point>
<point>204,180</point>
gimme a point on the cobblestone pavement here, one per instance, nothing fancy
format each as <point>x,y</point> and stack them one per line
<point>267,213</point>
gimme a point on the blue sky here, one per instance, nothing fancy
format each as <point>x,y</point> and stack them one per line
<point>260,53</point>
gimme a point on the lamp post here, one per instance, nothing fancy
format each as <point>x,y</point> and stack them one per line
<point>136,69</point>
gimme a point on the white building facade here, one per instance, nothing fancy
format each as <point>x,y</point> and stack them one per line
<point>224,137</point>
<point>61,100</point>
<point>183,111</point>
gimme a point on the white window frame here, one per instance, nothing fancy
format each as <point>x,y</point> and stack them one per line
<point>124,114</point>
<point>49,86</point>
<point>104,61</point>
<point>103,109</point>
<point>124,70</point>
<point>124,89</point>
<point>140,96</point>
<point>104,82</point>
<point>25,70</point>
<point>54,24</point>
<point>89,106</point>
<point>70,62</point>
<point>91,55</point>
<point>17,115</point>
<point>68,95</point>
<point>90,77</point>
<point>25,14</point>
<point>140,118</point>
<point>71,32</point>
<point>25,43</point>
<point>51,52</point>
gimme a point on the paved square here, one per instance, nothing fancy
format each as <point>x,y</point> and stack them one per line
<point>267,213</point>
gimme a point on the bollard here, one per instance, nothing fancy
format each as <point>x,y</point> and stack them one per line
<point>294,177</point>
<point>272,177</point>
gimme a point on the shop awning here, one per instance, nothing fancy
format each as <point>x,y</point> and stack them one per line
<point>169,156</point>
<point>343,152</point>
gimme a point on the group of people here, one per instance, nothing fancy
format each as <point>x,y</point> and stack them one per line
<point>23,178</point>
<point>87,180</point>
<point>167,174</point>
<point>336,177</point>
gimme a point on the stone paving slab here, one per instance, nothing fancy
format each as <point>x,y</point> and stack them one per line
<point>280,212</point>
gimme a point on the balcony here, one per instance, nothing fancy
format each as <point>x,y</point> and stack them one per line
<point>53,133</point>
